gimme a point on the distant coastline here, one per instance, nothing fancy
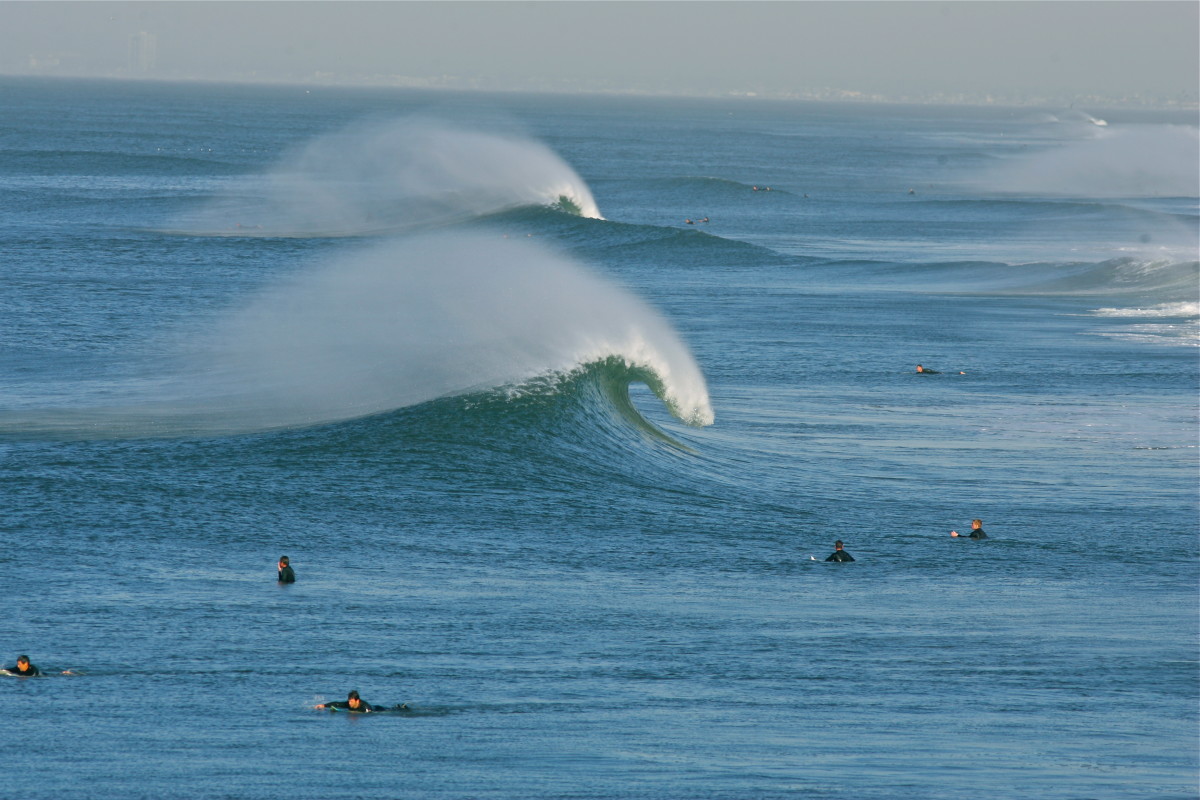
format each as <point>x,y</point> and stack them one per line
<point>452,83</point>
<point>825,94</point>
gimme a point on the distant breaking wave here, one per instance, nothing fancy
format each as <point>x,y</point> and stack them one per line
<point>1128,161</point>
<point>1168,281</point>
<point>391,177</point>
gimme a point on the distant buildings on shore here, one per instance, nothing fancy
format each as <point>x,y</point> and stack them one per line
<point>142,62</point>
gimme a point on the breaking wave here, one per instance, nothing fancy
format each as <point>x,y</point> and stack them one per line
<point>400,323</point>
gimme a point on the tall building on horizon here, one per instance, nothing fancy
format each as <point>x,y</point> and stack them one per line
<point>143,53</point>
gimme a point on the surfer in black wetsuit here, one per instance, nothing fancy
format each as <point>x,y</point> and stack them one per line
<point>357,705</point>
<point>976,531</point>
<point>352,703</point>
<point>24,669</point>
<point>286,573</point>
<point>926,371</point>
<point>838,553</point>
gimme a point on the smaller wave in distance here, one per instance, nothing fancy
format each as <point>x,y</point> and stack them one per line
<point>1128,161</point>
<point>395,176</point>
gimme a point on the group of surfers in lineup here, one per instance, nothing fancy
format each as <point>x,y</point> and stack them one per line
<point>839,552</point>
<point>355,704</point>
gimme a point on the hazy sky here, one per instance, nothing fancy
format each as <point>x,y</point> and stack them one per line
<point>1062,48</point>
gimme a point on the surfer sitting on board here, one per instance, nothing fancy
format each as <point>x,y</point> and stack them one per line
<point>286,573</point>
<point>976,531</point>
<point>838,553</point>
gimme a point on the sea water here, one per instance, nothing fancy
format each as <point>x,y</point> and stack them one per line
<point>557,406</point>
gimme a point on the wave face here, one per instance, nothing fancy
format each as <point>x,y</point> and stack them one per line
<point>399,323</point>
<point>395,176</point>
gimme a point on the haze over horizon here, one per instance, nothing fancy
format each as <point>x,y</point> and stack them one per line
<point>1067,51</point>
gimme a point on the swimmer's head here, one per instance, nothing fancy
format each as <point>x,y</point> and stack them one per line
<point>976,523</point>
<point>283,561</point>
<point>22,661</point>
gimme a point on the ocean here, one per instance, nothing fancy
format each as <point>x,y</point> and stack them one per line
<point>557,405</point>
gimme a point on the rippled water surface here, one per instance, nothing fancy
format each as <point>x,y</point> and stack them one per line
<point>557,406</point>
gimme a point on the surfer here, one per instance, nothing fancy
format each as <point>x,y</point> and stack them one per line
<point>352,703</point>
<point>926,371</point>
<point>356,705</point>
<point>23,669</point>
<point>976,531</point>
<point>838,553</point>
<point>286,573</point>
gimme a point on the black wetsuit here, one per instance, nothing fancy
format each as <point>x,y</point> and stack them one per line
<point>287,575</point>
<point>344,705</point>
<point>840,555</point>
<point>32,672</point>
<point>927,371</point>
<point>977,534</point>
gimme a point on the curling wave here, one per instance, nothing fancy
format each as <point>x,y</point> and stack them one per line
<point>393,325</point>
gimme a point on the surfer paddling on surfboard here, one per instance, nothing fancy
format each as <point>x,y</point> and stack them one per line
<point>23,669</point>
<point>356,705</point>
<point>352,703</point>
